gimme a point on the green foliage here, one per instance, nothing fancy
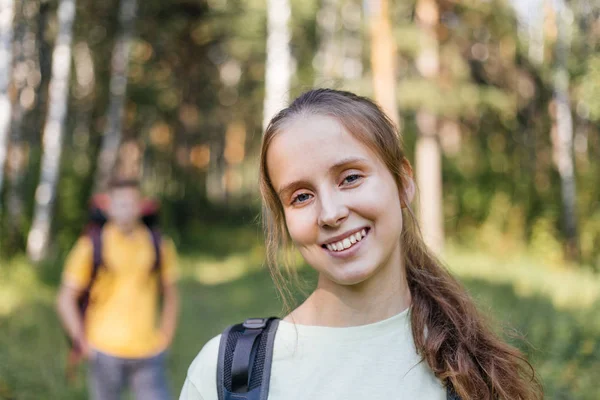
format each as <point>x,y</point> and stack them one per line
<point>197,71</point>
<point>560,333</point>
<point>590,87</point>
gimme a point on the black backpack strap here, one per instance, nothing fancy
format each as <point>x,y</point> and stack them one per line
<point>95,236</point>
<point>156,243</point>
<point>245,355</point>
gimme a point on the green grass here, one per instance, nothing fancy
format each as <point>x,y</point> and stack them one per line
<point>554,309</point>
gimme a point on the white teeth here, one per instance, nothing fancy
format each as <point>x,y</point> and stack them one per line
<point>348,242</point>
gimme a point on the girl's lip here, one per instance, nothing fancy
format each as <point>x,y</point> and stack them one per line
<point>349,252</point>
<point>343,236</point>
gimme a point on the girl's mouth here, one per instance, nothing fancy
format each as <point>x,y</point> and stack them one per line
<point>348,242</point>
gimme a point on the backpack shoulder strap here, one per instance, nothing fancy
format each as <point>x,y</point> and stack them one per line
<point>95,235</point>
<point>156,243</point>
<point>244,363</point>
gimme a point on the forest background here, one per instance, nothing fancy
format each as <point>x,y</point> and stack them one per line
<point>498,104</point>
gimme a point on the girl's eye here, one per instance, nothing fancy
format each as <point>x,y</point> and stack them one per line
<point>351,178</point>
<point>301,198</point>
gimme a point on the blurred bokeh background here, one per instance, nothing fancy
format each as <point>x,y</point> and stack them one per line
<point>498,103</point>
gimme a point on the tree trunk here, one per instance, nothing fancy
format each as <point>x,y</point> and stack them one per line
<point>118,85</point>
<point>328,55</point>
<point>428,154</point>
<point>535,32</point>
<point>352,44</point>
<point>26,80</point>
<point>383,58</point>
<point>45,195</point>
<point>6,33</point>
<point>44,71</point>
<point>279,59</point>
<point>563,142</point>
<point>84,93</point>
<point>339,58</point>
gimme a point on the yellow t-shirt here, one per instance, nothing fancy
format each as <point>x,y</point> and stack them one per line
<point>122,318</point>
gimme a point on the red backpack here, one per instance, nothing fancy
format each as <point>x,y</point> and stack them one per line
<point>93,229</point>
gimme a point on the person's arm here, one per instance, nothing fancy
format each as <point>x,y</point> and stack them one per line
<point>170,311</point>
<point>170,295</point>
<point>76,277</point>
<point>68,311</point>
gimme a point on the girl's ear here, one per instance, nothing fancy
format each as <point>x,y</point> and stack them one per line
<point>408,183</point>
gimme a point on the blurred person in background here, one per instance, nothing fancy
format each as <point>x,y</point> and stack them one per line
<point>125,273</point>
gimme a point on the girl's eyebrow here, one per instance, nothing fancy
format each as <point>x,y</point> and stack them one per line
<point>337,166</point>
<point>290,187</point>
<point>345,161</point>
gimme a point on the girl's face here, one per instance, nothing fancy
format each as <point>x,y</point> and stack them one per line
<point>341,203</point>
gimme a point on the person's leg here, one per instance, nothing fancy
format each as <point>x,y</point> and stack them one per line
<point>148,378</point>
<point>105,377</point>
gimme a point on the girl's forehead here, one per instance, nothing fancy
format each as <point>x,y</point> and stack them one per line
<point>314,136</point>
<point>312,145</point>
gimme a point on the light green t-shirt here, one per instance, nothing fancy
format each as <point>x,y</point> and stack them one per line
<point>376,362</point>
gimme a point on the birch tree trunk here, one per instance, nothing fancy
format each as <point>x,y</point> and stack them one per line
<point>328,55</point>
<point>352,44</point>
<point>427,152</point>
<point>563,140</point>
<point>45,195</point>
<point>118,85</point>
<point>279,59</point>
<point>6,34</point>
<point>535,32</point>
<point>383,58</point>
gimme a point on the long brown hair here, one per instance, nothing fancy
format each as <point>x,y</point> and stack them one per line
<point>449,333</point>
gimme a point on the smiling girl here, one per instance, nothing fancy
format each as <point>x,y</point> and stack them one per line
<point>386,319</point>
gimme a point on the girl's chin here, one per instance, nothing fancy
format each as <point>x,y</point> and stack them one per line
<point>348,278</point>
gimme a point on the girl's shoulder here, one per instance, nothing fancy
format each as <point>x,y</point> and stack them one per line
<point>203,370</point>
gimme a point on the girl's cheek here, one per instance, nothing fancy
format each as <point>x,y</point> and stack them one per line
<point>301,229</point>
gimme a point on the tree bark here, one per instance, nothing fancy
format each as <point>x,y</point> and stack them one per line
<point>26,80</point>
<point>383,58</point>
<point>45,195</point>
<point>279,59</point>
<point>84,93</point>
<point>428,153</point>
<point>328,55</point>
<point>563,142</point>
<point>352,44</point>
<point>118,85</point>
<point>6,34</point>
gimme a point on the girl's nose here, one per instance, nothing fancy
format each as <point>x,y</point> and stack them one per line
<point>333,210</point>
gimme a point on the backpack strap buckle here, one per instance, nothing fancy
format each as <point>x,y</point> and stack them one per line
<point>255,323</point>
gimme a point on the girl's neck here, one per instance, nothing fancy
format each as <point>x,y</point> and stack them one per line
<point>380,297</point>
